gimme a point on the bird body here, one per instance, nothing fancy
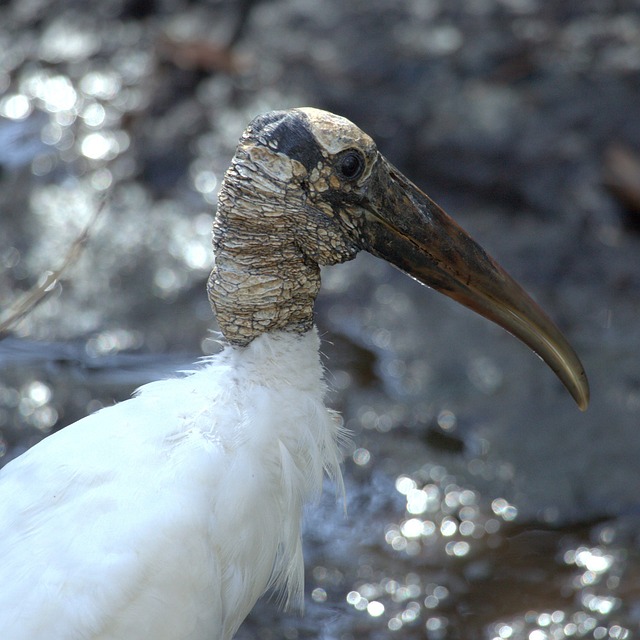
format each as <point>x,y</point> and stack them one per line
<point>167,516</point>
<point>172,512</point>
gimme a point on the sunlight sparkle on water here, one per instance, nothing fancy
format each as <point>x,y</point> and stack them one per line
<point>457,549</point>
<point>602,605</point>
<point>375,609</point>
<point>395,624</point>
<point>361,457</point>
<point>436,627</point>
<point>101,179</point>
<point>56,92</point>
<point>63,40</point>
<point>204,179</point>
<point>39,392</point>
<point>319,595</point>
<point>196,255</point>
<point>454,511</point>
<point>15,107</point>
<point>485,375</point>
<point>404,484</point>
<point>35,406</point>
<point>101,84</point>
<point>505,631</point>
<point>447,420</point>
<point>411,613</point>
<point>503,509</point>
<point>403,601</point>
<point>559,625</point>
<point>448,527</point>
<point>205,182</point>
<point>412,528</point>
<point>93,115</point>
<point>112,341</point>
<point>467,528</point>
<point>104,145</point>
<point>357,601</point>
<point>417,501</point>
<point>594,560</point>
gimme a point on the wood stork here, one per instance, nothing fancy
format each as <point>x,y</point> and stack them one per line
<point>167,516</point>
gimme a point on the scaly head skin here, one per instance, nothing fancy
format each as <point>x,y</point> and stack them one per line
<point>307,188</point>
<point>275,224</point>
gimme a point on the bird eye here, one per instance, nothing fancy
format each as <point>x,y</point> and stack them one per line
<point>350,165</point>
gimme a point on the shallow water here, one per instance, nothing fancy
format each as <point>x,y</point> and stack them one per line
<point>481,502</point>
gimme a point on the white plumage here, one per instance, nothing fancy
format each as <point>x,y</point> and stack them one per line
<point>165,514</point>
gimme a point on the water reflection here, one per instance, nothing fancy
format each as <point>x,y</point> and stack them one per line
<point>448,533</point>
<point>34,406</point>
<point>15,107</point>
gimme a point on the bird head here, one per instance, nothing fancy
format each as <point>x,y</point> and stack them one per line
<point>308,188</point>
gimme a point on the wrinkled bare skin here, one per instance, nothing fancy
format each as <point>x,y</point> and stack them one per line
<point>269,239</point>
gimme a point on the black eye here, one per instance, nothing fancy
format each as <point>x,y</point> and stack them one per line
<point>350,165</point>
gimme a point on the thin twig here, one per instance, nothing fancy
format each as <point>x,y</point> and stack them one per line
<point>31,298</point>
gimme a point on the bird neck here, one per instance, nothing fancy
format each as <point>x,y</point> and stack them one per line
<point>260,281</point>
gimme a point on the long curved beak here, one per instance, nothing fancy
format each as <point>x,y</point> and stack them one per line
<point>409,230</point>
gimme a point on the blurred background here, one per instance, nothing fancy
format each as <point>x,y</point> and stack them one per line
<point>480,502</point>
